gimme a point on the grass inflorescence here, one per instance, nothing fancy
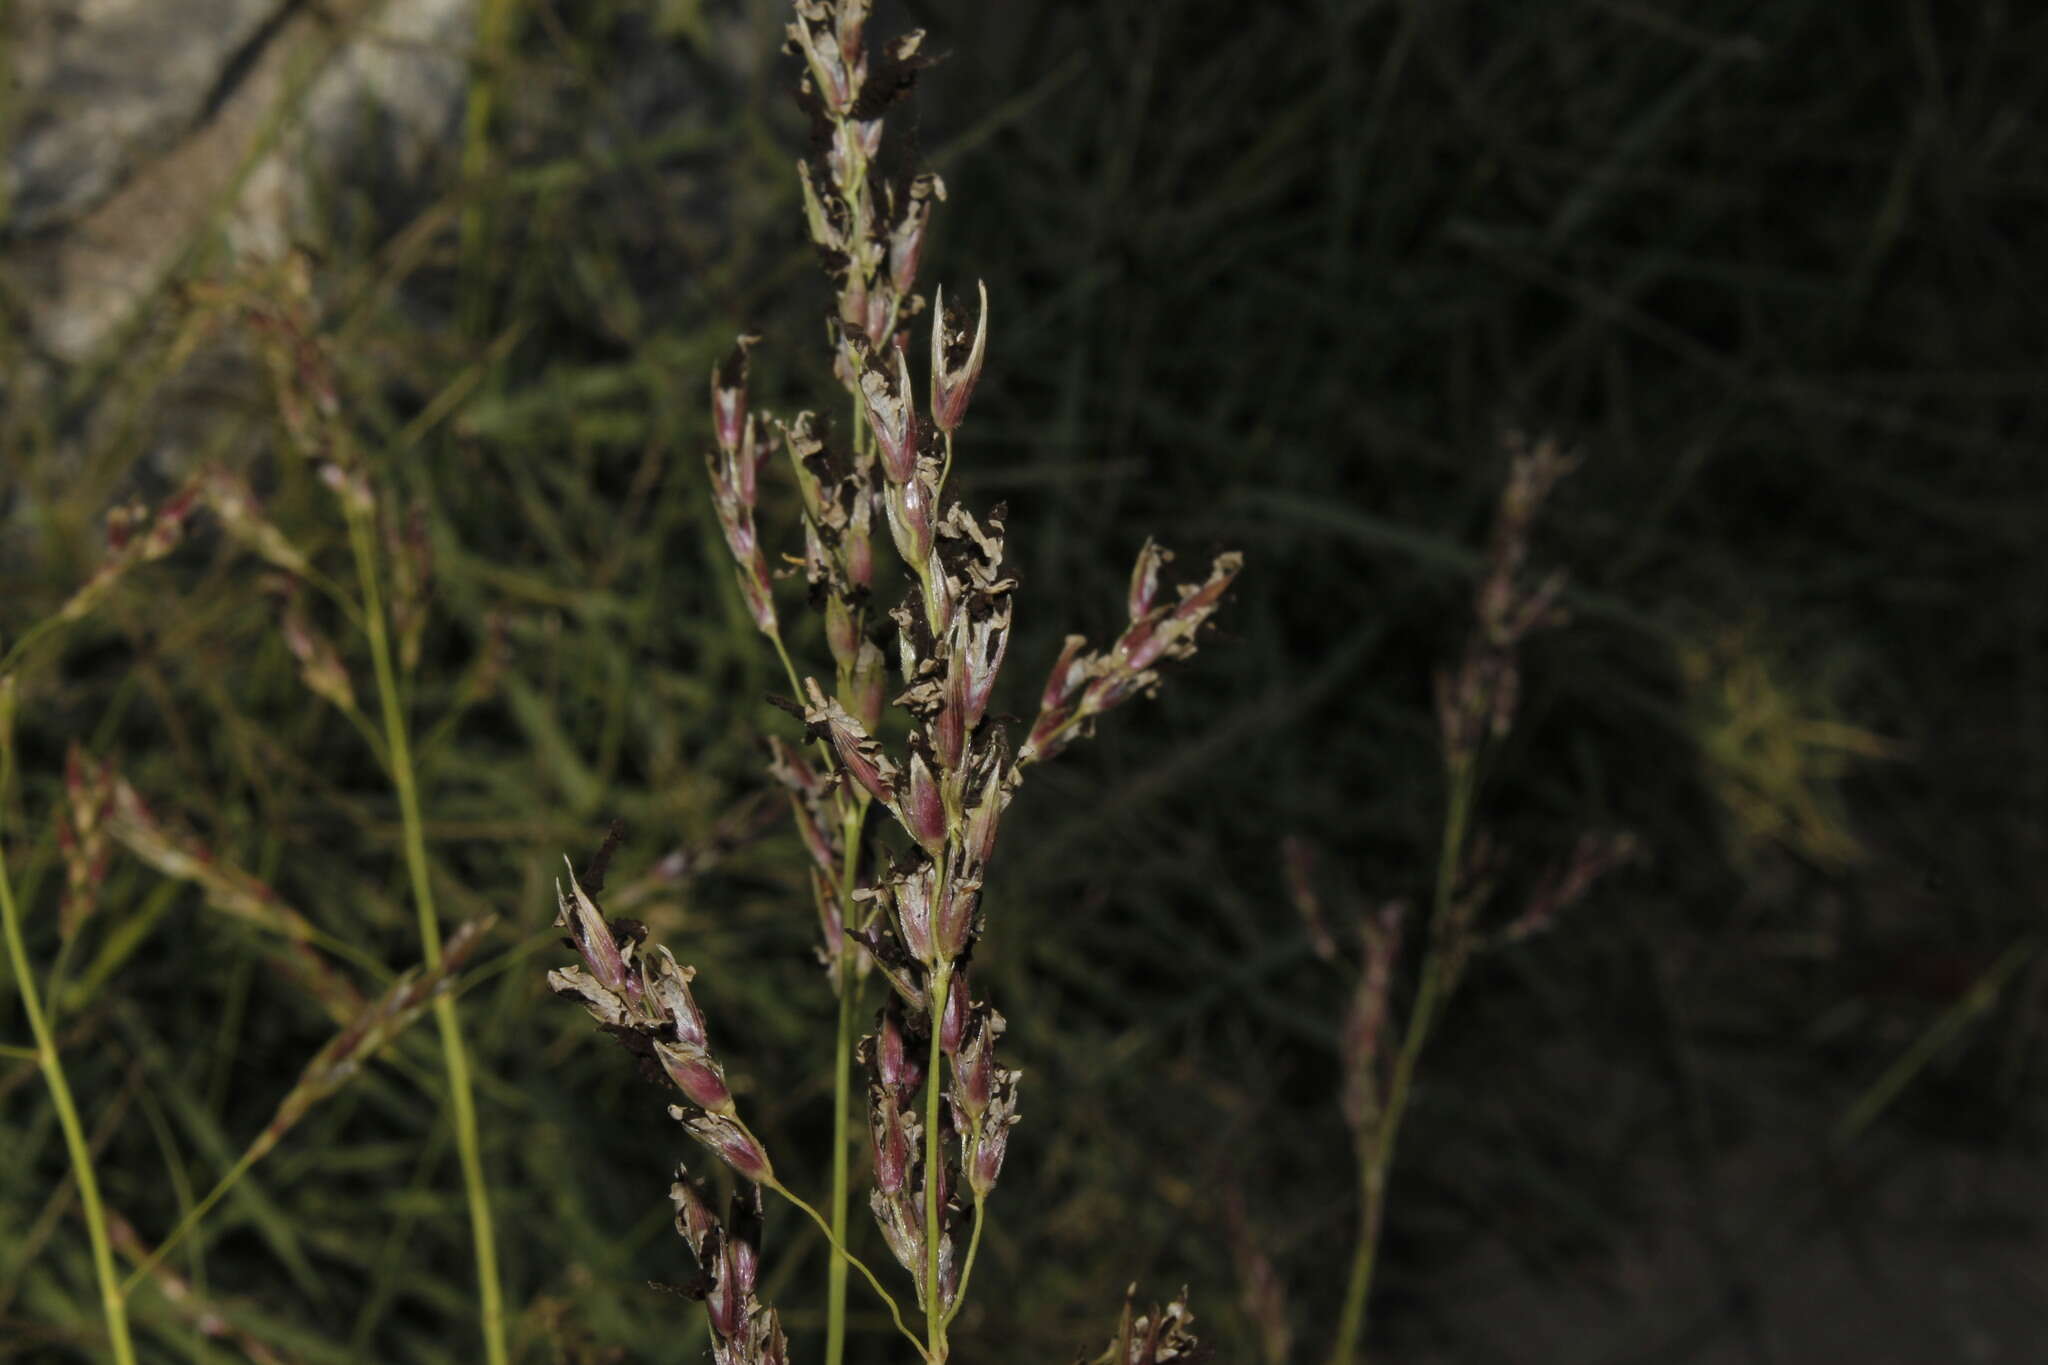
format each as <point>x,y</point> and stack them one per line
<point>1271,279</point>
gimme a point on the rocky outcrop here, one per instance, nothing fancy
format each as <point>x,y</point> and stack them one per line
<point>147,129</point>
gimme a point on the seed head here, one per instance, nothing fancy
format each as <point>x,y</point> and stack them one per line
<point>700,1078</point>
<point>922,809</point>
<point>728,1140</point>
<point>956,362</point>
<point>859,755</point>
<point>885,393</point>
<point>906,238</point>
<point>729,403</point>
<point>989,1145</point>
<point>593,938</point>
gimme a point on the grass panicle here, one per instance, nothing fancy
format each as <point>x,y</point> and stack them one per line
<point>902,901</point>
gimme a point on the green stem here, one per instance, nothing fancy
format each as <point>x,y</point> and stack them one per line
<point>934,1306</point>
<point>1376,1150</point>
<point>493,24</point>
<point>796,684</point>
<point>842,1089</point>
<point>10,663</point>
<point>461,1094</point>
<point>895,1313</point>
<point>842,1081</point>
<point>254,1154</point>
<point>842,1046</point>
<point>112,1302</point>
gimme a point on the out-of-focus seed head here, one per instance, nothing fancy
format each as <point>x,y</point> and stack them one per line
<point>734,475</point>
<point>241,516</point>
<point>1297,860</point>
<point>351,487</point>
<point>320,664</point>
<point>1153,1338</point>
<point>729,399</point>
<point>1594,856</point>
<point>1145,578</point>
<point>812,37</point>
<point>1361,1041</point>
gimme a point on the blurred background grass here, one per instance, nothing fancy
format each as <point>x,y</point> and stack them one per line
<point>1272,277</point>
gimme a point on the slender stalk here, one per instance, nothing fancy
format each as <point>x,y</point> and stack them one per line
<point>113,1302</point>
<point>934,1154</point>
<point>468,1144</point>
<point>853,818</point>
<point>493,24</point>
<point>796,684</point>
<point>1376,1151</point>
<point>895,1313</point>
<point>842,1090</point>
<point>248,1158</point>
<point>842,1085</point>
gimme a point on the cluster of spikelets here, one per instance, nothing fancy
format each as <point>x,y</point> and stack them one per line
<point>940,1104</point>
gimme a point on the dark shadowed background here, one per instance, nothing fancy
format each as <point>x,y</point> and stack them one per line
<point>1277,277</point>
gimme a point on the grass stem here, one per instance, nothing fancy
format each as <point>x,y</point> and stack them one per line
<point>493,24</point>
<point>895,1313</point>
<point>1376,1150</point>
<point>842,1081</point>
<point>842,1088</point>
<point>113,1301</point>
<point>461,1095</point>
<point>934,1155</point>
<point>248,1158</point>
